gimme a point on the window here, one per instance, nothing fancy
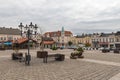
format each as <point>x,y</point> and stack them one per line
<point>1,38</point>
<point>106,39</point>
<point>14,38</point>
<point>4,38</point>
<point>10,38</point>
<point>117,40</point>
<point>100,40</point>
<point>103,40</point>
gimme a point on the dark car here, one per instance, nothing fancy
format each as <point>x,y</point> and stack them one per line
<point>105,50</point>
<point>116,50</point>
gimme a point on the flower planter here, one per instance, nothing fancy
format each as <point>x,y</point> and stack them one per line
<point>2,48</point>
<point>41,54</point>
<point>76,55</point>
<point>16,55</point>
<point>60,57</point>
<point>73,57</point>
<point>80,56</point>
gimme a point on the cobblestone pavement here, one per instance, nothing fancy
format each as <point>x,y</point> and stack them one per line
<point>54,70</point>
<point>98,55</point>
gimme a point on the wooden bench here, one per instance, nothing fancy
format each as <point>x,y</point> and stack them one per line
<point>58,57</point>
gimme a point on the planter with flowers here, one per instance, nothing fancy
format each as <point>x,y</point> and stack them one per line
<point>77,54</point>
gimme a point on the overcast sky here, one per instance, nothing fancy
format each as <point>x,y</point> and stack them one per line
<point>78,16</point>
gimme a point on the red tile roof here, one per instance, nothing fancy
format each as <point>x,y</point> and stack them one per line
<point>58,33</point>
<point>21,40</point>
<point>48,42</point>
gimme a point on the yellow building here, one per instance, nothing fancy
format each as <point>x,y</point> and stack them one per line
<point>81,40</point>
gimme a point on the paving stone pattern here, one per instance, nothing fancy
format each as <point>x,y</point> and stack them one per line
<point>69,69</point>
<point>98,55</point>
<point>55,70</point>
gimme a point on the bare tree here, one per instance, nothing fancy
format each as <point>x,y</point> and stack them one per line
<point>40,38</point>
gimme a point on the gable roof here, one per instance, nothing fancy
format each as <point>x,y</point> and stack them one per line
<point>117,33</point>
<point>22,40</point>
<point>48,42</point>
<point>58,33</point>
<point>9,31</point>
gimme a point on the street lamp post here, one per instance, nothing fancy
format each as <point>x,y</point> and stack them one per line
<point>21,27</point>
<point>28,56</point>
<point>29,34</point>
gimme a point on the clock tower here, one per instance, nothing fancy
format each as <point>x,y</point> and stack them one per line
<point>62,36</point>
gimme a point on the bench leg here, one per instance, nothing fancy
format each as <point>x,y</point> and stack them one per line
<point>20,60</point>
<point>45,59</point>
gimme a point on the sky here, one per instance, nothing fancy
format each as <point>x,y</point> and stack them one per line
<point>77,16</point>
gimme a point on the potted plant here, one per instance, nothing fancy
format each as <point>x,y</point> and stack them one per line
<point>73,56</point>
<point>54,48</point>
<point>77,54</point>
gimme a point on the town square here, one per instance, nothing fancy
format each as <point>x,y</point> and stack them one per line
<point>59,39</point>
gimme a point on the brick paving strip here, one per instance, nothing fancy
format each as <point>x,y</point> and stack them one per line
<point>101,62</point>
<point>116,77</point>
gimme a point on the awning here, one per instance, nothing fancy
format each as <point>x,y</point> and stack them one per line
<point>103,43</point>
<point>7,43</point>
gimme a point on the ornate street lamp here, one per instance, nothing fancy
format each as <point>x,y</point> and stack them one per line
<point>29,34</point>
<point>21,27</point>
<point>28,30</point>
<point>25,29</point>
<point>35,27</point>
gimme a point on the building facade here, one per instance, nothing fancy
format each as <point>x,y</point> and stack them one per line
<point>7,35</point>
<point>60,37</point>
<point>106,40</point>
<point>83,39</point>
<point>117,40</point>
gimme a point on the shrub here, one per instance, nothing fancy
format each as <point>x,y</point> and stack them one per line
<point>80,49</point>
<point>54,48</point>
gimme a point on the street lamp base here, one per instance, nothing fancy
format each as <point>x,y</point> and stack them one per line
<point>27,59</point>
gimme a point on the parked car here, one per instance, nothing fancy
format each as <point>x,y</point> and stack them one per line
<point>105,50</point>
<point>101,48</point>
<point>73,47</point>
<point>116,50</point>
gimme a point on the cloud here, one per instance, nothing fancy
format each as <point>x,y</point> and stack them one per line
<point>77,15</point>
